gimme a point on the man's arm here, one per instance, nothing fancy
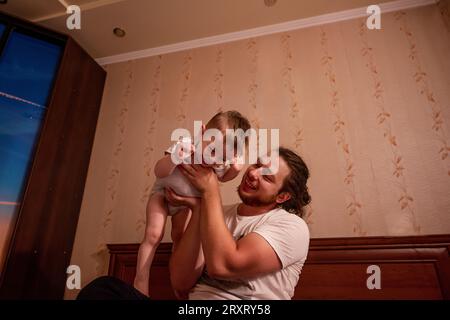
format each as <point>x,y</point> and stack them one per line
<point>226,258</point>
<point>187,261</point>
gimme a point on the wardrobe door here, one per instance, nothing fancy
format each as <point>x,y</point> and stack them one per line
<point>48,196</point>
<point>28,67</point>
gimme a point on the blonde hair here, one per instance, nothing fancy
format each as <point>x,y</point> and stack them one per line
<point>229,120</point>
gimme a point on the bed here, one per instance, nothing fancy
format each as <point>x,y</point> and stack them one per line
<point>336,268</point>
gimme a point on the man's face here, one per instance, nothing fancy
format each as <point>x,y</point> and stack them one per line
<point>261,190</point>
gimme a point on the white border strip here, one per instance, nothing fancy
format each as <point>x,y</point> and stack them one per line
<point>262,31</point>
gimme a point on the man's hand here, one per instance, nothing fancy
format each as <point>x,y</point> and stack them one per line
<point>201,177</point>
<point>177,200</point>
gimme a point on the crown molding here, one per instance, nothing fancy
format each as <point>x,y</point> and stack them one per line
<point>84,7</point>
<point>262,31</point>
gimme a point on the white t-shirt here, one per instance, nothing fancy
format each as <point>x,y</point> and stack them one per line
<point>286,233</point>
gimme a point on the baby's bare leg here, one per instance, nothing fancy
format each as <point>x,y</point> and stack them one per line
<point>154,230</point>
<point>180,221</point>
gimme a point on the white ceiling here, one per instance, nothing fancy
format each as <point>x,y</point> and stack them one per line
<point>155,23</point>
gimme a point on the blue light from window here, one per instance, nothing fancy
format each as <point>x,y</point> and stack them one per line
<point>28,67</point>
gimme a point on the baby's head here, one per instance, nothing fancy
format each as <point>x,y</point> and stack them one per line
<point>229,120</point>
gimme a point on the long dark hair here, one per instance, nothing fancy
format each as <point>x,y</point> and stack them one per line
<point>295,183</point>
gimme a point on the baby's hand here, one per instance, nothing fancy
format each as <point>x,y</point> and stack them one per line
<point>236,168</point>
<point>233,172</point>
<point>236,164</point>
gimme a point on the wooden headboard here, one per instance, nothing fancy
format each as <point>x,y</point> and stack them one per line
<point>336,268</point>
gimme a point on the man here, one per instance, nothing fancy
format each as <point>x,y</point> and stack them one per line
<point>252,250</point>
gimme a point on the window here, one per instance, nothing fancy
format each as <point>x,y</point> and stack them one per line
<point>28,67</point>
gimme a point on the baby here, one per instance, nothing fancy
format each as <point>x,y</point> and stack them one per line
<point>169,176</point>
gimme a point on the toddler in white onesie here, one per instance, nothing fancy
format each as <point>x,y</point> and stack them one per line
<point>169,176</point>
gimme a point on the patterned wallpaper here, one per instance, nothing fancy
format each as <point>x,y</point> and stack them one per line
<point>369,110</point>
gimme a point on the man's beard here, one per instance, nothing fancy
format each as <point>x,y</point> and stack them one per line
<point>255,201</point>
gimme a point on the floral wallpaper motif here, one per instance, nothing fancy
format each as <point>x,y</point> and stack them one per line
<point>289,84</point>
<point>420,75</point>
<point>353,203</point>
<point>253,51</point>
<point>383,119</point>
<point>112,182</point>
<point>153,106</point>
<point>186,74</point>
<point>295,109</point>
<point>218,78</point>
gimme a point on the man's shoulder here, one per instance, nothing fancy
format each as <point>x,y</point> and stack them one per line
<point>280,212</point>
<point>282,216</point>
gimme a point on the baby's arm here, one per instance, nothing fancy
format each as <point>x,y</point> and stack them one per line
<point>231,173</point>
<point>164,167</point>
